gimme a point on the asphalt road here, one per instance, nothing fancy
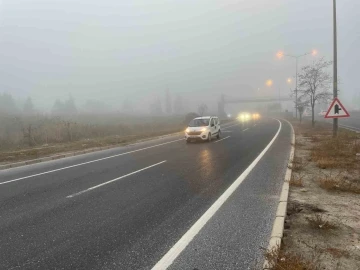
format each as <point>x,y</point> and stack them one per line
<point>125,208</point>
<point>352,123</point>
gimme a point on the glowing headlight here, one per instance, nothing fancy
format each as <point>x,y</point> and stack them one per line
<point>187,130</point>
<point>204,129</point>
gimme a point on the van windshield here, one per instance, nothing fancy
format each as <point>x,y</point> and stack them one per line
<point>199,122</point>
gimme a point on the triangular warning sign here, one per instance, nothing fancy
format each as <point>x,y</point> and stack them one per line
<point>336,110</point>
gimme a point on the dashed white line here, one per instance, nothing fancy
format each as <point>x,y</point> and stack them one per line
<point>222,139</point>
<point>88,162</point>
<point>175,251</point>
<point>116,179</point>
<point>246,129</point>
<point>231,126</point>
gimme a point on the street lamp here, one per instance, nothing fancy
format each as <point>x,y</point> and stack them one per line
<point>280,55</point>
<point>269,83</point>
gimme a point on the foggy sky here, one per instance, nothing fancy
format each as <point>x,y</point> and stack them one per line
<point>116,50</point>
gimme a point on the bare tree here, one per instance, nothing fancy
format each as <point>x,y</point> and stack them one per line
<point>202,109</point>
<point>314,83</point>
<point>301,106</point>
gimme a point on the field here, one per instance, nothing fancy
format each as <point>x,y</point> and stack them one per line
<point>24,137</point>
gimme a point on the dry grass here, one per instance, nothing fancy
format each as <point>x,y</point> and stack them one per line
<point>28,137</point>
<point>326,163</point>
<point>298,164</point>
<point>56,148</point>
<point>330,152</point>
<point>337,182</point>
<point>20,132</point>
<point>337,152</point>
<point>320,222</point>
<point>297,180</point>
<point>315,138</point>
<point>280,260</point>
<point>298,144</point>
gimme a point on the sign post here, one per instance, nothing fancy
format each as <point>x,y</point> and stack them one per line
<point>336,110</point>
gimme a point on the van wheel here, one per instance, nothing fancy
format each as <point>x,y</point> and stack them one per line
<point>209,137</point>
<point>218,135</point>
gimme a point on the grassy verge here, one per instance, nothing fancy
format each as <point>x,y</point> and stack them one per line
<point>322,224</point>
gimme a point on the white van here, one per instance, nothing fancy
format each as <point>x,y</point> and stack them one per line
<point>203,128</point>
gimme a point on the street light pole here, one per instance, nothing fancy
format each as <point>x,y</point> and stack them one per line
<point>280,55</point>
<point>296,88</point>
<point>335,92</point>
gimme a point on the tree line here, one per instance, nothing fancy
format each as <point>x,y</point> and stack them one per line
<point>68,107</point>
<point>9,106</point>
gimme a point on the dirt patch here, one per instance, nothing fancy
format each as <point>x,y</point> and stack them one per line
<point>322,227</point>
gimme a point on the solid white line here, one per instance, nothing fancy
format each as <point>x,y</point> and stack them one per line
<point>116,179</point>
<point>175,251</point>
<point>275,242</point>
<point>246,129</point>
<point>222,139</point>
<point>350,128</point>
<point>88,162</point>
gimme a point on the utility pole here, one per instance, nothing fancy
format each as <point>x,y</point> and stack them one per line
<point>335,92</point>
<point>279,100</point>
<point>296,88</point>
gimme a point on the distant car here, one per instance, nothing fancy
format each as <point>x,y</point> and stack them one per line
<point>203,128</point>
<point>322,113</point>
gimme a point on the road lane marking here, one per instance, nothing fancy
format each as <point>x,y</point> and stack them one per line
<point>222,139</point>
<point>350,128</point>
<point>116,179</point>
<point>175,251</point>
<point>231,126</point>
<point>88,162</point>
<point>246,129</point>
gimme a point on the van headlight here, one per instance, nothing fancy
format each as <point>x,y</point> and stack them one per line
<point>204,129</point>
<point>187,130</point>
